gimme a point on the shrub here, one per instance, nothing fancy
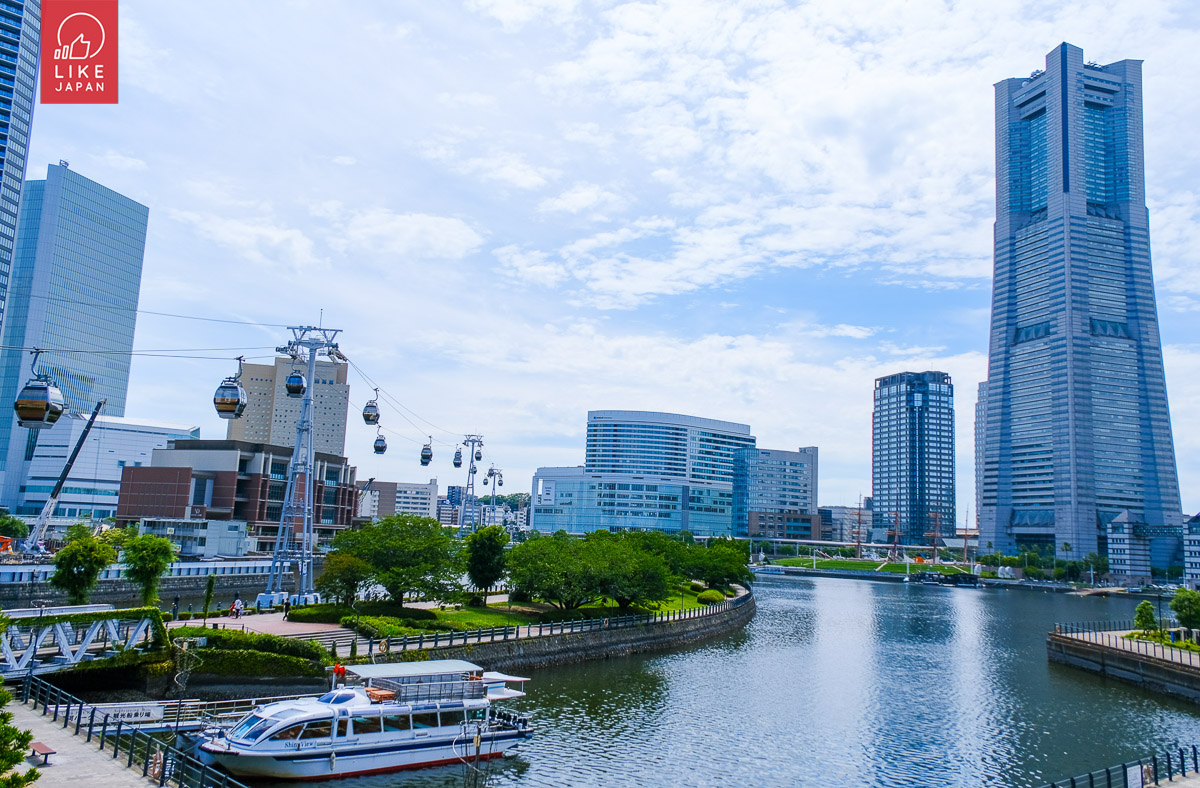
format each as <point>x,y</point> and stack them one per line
<point>379,627</point>
<point>519,595</point>
<point>1034,573</point>
<point>696,587</point>
<point>327,613</point>
<point>244,662</point>
<point>476,600</point>
<point>711,598</point>
<point>228,639</point>
<point>167,617</point>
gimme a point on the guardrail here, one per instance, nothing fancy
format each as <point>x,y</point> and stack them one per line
<point>158,760</point>
<point>1138,774</point>
<point>462,638</point>
<point>1111,634</point>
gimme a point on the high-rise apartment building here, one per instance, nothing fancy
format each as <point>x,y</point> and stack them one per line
<point>1077,428</point>
<point>75,281</point>
<point>980,442</point>
<point>645,470</point>
<point>271,415</point>
<point>770,483</point>
<point>20,29</point>
<point>912,461</point>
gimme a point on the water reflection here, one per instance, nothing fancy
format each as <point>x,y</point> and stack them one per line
<point>842,683</point>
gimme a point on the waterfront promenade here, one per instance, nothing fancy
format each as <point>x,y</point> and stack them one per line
<point>1115,639</point>
<point>75,761</point>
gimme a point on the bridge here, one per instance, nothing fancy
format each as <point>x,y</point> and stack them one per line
<point>46,640</point>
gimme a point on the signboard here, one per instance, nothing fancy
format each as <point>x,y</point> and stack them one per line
<point>150,711</point>
<point>1133,776</point>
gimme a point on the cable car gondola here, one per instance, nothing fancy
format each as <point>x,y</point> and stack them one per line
<point>40,404</point>
<point>478,455</point>
<point>295,384</point>
<point>371,410</point>
<point>380,443</point>
<point>427,452</point>
<point>230,397</point>
<point>458,457</point>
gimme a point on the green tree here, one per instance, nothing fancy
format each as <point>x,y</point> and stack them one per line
<point>147,558</point>
<point>14,746</point>
<point>624,573</point>
<point>344,577</point>
<point>117,537</point>
<point>1186,606</point>
<point>209,589</point>
<point>77,567</point>
<point>721,562</point>
<point>1143,617</point>
<point>13,527</point>
<point>485,557</point>
<point>1096,562</point>
<point>410,555</point>
<point>553,568</point>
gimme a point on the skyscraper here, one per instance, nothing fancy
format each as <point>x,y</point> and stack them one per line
<point>980,442</point>
<point>271,415</point>
<point>20,28</point>
<point>912,458</point>
<point>1077,428</point>
<point>75,280</point>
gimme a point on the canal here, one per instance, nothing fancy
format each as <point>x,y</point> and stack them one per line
<point>842,683</point>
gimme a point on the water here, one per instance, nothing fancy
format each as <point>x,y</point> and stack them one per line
<point>842,683</point>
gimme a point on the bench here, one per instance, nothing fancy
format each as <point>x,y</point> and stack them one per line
<point>43,750</point>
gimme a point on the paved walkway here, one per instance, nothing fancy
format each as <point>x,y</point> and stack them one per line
<point>1116,639</point>
<point>76,762</point>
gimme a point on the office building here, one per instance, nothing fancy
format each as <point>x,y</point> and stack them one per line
<point>912,460</point>
<point>644,470</point>
<point>235,480</point>
<point>94,484</point>
<point>848,523</point>
<point>773,482</point>
<point>271,415</point>
<point>385,499</point>
<point>199,539</point>
<point>980,442</point>
<point>20,21</point>
<point>1077,427</point>
<point>75,279</point>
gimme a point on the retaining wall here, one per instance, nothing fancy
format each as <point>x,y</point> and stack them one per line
<point>528,654</point>
<point>122,593</point>
<point>1141,669</point>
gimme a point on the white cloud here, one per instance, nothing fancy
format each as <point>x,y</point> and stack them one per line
<point>411,235</point>
<point>261,240</point>
<point>580,198</point>
<point>344,161</point>
<point>119,161</point>
<point>515,14</point>
<point>533,267</point>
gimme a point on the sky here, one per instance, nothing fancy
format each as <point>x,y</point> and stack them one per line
<point>521,210</point>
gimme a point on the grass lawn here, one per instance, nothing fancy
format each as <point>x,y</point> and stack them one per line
<point>520,614</point>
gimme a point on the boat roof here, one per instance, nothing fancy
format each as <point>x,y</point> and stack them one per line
<point>433,667</point>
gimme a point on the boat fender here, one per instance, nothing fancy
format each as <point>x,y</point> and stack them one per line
<point>606,623</point>
<point>332,761</point>
<point>156,765</point>
<point>383,647</point>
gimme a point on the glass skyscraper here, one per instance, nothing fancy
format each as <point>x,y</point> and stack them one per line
<point>20,28</point>
<point>773,482</point>
<point>74,291</point>
<point>644,470</point>
<point>1077,428</point>
<point>912,457</point>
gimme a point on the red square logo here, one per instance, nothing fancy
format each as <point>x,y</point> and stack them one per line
<point>79,51</point>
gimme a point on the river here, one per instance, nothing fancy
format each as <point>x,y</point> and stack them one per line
<point>842,683</point>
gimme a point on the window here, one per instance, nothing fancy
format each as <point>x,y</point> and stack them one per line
<point>397,722</point>
<point>288,733</point>
<point>427,720</point>
<point>317,730</point>
<point>367,725</point>
<point>452,717</point>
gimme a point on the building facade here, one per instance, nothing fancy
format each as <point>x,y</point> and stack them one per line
<point>773,482</point>
<point>20,30</point>
<point>644,470</point>
<point>912,460</point>
<point>235,480</point>
<point>271,415</point>
<point>93,487</point>
<point>980,442</point>
<point>75,280</point>
<point>201,538</point>
<point>1077,427</point>
<point>848,523</point>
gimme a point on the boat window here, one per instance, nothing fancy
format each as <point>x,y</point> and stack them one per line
<point>343,725</point>
<point>288,733</point>
<point>397,722</point>
<point>239,731</point>
<point>317,730</point>
<point>476,714</point>
<point>366,725</point>
<point>336,697</point>
<point>454,717</point>
<point>427,720</point>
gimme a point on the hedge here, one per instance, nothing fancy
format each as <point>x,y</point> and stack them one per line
<point>332,614</point>
<point>379,627</point>
<point>710,598</point>
<point>244,662</point>
<point>231,640</point>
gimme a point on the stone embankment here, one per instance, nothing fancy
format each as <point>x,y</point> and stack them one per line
<point>533,653</point>
<point>1152,666</point>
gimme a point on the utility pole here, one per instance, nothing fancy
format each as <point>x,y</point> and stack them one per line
<point>295,541</point>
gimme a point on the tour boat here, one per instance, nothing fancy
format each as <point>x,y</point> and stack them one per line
<point>384,718</point>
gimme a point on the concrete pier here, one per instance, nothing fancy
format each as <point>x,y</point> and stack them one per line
<point>75,762</point>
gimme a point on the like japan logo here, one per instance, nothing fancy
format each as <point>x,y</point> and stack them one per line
<point>79,52</point>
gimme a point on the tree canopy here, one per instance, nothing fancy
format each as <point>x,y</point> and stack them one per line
<point>410,555</point>
<point>13,527</point>
<point>14,746</point>
<point>1186,607</point>
<point>1143,617</point>
<point>147,558</point>
<point>485,556</point>
<point>343,577</point>
<point>77,566</point>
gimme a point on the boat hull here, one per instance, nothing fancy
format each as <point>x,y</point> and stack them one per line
<point>350,760</point>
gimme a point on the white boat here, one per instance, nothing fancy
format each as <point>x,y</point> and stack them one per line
<point>384,718</point>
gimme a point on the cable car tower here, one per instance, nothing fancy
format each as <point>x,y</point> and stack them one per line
<point>473,444</point>
<point>296,538</point>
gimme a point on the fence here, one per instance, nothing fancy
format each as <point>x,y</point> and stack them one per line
<point>462,638</point>
<point>1140,773</point>
<point>158,760</point>
<point>1111,634</point>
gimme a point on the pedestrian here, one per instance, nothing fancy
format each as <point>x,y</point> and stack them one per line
<point>287,608</point>
<point>238,606</point>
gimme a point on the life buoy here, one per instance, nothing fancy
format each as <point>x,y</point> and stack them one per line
<point>383,647</point>
<point>156,765</point>
<point>606,623</point>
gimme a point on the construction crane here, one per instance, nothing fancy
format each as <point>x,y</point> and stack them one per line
<point>30,545</point>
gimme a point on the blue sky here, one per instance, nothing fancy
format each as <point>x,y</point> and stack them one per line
<point>520,210</point>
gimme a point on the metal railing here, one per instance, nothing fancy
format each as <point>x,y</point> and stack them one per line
<point>158,761</point>
<point>1112,634</point>
<point>524,631</point>
<point>1154,770</point>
